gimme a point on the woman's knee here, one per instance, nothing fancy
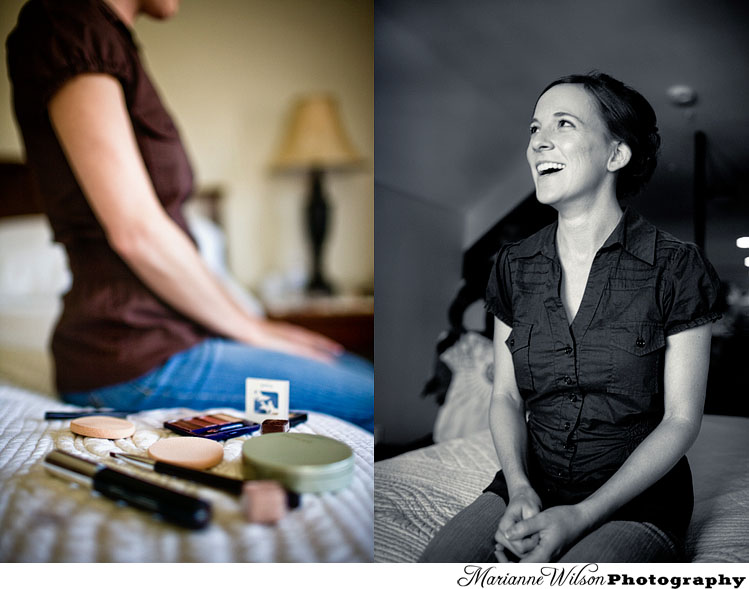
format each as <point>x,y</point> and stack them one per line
<point>469,535</point>
<point>624,541</point>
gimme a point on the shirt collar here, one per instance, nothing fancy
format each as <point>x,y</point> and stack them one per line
<point>633,233</point>
<point>541,242</point>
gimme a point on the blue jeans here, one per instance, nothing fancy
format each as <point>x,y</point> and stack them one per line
<point>212,374</point>
<point>469,537</point>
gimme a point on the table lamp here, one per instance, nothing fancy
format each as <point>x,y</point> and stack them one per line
<point>315,141</point>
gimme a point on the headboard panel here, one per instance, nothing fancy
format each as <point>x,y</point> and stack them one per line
<point>19,194</point>
<point>524,220</point>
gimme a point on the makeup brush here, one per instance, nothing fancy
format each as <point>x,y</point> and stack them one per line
<point>76,414</point>
<point>230,485</point>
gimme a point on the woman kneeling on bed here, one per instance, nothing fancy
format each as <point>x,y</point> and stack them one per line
<point>145,324</point>
<point>602,342</point>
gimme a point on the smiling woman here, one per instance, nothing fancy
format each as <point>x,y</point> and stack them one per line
<point>601,347</point>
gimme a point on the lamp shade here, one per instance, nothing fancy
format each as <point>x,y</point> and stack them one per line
<point>315,137</point>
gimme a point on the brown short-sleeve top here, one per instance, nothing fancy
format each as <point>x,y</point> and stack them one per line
<point>112,328</point>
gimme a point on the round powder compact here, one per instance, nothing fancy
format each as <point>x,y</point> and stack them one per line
<point>188,452</point>
<point>100,426</point>
<point>304,463</point>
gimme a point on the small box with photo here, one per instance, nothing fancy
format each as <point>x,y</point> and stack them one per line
<point>266,399</point>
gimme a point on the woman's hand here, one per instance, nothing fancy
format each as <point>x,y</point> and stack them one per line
<point>523,505</point>
<point>555,528</point>
<point>290,339</point>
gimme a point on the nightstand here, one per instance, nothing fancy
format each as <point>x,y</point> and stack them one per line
<point>349,320</point>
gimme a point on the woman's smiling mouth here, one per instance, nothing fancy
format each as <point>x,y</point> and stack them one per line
<point>546,168</point>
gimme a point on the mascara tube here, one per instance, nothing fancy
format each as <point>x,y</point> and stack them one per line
<point>177,508</point>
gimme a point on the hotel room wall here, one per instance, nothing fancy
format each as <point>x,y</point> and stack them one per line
<point>418,252</point>
<point>228,71</point>
<point>436,134</point>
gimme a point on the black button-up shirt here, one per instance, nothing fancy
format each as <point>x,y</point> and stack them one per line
<point>594,389</point>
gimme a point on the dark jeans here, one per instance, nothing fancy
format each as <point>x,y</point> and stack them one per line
<point>469,537</point>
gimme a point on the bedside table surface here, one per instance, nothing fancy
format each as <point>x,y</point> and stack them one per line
<point>349,320</point>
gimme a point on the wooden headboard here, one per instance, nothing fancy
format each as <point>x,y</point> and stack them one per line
<point>525,219</point>
<point>19,194</point>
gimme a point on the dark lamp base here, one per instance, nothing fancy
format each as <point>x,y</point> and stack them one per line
<point>319,286</point>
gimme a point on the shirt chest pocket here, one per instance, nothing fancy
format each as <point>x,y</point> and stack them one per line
<point>519,344</point>
<point>636,358</point>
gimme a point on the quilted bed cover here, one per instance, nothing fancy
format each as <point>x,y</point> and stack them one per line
<point>46,519</point>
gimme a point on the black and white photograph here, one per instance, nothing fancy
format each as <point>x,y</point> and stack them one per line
<point>560,229</point>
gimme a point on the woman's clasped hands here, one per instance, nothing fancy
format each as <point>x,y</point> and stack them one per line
<point>291,339</point>
<point>524,504</point>
<point>536,535</point>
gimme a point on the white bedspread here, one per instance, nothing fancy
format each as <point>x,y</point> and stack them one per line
<point>45,519</point>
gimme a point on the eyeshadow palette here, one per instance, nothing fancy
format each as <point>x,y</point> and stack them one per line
<point>216,426</point>
<point>220,426</point>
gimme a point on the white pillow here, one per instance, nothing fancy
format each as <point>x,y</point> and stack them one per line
<point>30,262</point>
<point>210,238</point>
<point>466,406</point>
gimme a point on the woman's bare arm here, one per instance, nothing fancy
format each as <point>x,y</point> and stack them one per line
<point>507,414</point>
<point>508,428</point>
<point>91,121</point>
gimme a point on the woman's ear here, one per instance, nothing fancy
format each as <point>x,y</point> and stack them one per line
<point>620,157</point>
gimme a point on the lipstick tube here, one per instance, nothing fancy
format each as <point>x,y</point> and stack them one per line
<point>177,508</point>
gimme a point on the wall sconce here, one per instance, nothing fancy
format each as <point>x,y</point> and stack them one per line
<point>315,141</point>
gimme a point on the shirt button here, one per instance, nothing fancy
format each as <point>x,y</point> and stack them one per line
<point>512,342</point>
<point>568,350</point>
<point>568,380</point>
<point>573,398</point>
<point>640,343</point>
<point>567,426</point>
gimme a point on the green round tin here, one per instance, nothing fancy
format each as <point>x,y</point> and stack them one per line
<point>304,463</point>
